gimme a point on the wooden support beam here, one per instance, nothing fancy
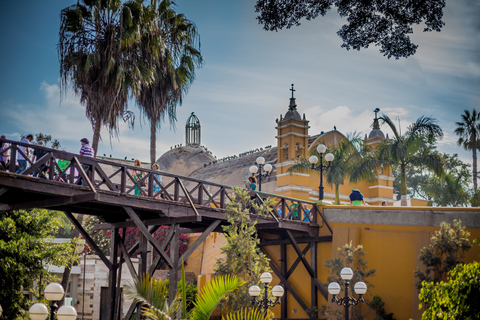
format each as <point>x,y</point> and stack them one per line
<point>50,202</point>
<point>126,257</point>
<point>200,239</point>
<point>313,289</point>
<point>283,271</point>
<point>289,287</point>
<point>89,240</point>
<point>156,261</point>
<point>294,243</point>
<point>297,261</point>
<point>112,275</point>
<point>299,240</point>
<point>150,222</point>
<point>174,256</point>
<point>139,224</point>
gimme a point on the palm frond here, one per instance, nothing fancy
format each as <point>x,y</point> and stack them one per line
<point>247,314</point>
<point>211,295</point>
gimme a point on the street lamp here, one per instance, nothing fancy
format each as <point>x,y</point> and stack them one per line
<point>261,164</point>
<point>313,160</point>
<point>53,293</point>
<point>347,301</point>
<point>277,292</point>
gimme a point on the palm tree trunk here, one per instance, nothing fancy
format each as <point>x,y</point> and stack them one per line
<point>153,140</point>
<point>403,188</point>
<point>474,153</point>
<point>337,194</point>
<point>96,136</point>
<point>68,268</point>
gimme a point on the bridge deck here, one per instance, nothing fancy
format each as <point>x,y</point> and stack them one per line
<point>76,184</point>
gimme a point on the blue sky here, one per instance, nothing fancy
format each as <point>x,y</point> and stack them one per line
<point>244,84</point>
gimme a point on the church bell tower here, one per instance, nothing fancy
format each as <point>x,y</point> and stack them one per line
<point>292,143</point>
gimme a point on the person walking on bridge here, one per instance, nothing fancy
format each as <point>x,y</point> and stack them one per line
<point>86,151</point>
<point>21,159</point>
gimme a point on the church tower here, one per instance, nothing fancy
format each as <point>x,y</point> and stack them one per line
<point>292,141</point>
<point>192,131</point>
<point>380,190</point>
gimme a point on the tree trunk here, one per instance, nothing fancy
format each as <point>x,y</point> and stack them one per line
<point>68,268</point>
<point>337,194</point>
<point>153,141</point>
<point>474,153</point>
<point>96,136</point>
<point>403,188</point>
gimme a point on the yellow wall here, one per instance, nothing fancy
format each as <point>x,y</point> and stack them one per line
<point>392,250</point>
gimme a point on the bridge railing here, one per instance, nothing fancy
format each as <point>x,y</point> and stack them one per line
<point>110,176</point>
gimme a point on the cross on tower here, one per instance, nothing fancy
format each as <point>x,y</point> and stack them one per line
<point>293,90</point>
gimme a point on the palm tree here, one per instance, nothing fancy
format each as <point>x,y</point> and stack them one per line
<point>468,131</point>
<point>95,50</point>
<point>413,148</point>
<point>168,47</point>
<point>154,294</point>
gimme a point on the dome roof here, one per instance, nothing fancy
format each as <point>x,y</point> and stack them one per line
<point>184,160</point>
<point>292,114</point>
<point>376,134</point>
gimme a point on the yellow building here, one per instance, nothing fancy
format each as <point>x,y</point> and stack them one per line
<point>391,236</point>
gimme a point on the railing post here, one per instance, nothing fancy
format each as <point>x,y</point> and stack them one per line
<point>13,158</point>
<point>123,180</point>
<point>200,194</point>
<point>150,185</point>
<point>51,171</point>
<point>223,195</point>
<point>176,194</point>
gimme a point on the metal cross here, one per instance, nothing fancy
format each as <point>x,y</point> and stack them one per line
<point>293,90</point>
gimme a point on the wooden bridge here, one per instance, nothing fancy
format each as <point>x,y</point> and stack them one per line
<point>77,184</point>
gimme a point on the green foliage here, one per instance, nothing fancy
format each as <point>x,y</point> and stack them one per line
<point>378,23</point>
<point>447,249</point>
<point>153,294</point>
<point>457,298</point>
<point>65,226</point>
<point>452,189</point>
<point>468,131</point>
<point>475,200</point>
<point>241,255</point>
<point>378,306</point>
<point>354,258</point>
<point>415,148</point>
<point>24,252</point>
<point>250,314</point>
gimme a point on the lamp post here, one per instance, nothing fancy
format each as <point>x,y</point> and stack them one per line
<point>347,301</point>
<point>313,160</point>
<point>277,292</point>
<point>261,164</point>
<point>53,293</point>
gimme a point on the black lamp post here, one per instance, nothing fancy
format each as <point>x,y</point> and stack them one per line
<point>53,293</point>
<point>313,160</point>
<point>254,291</point>
<point>261,164</point>
<point>347,301</point>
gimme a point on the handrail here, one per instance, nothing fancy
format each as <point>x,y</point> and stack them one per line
<point>190,191</point>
